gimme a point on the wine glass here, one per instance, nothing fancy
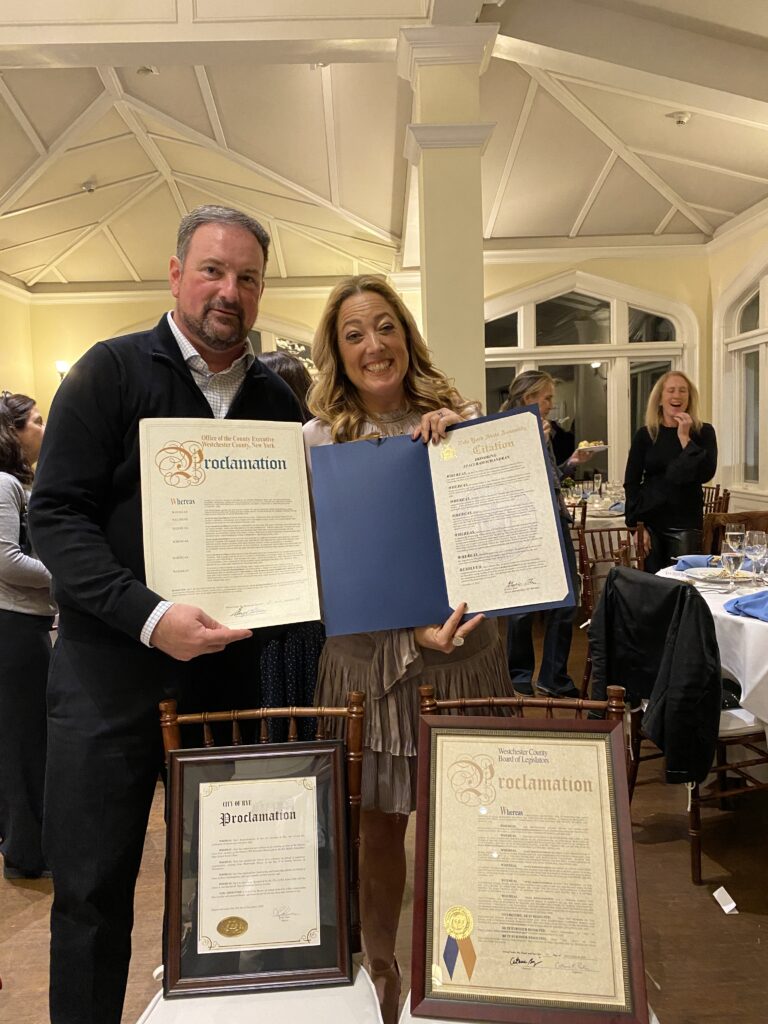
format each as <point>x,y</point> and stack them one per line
<point>734,536</point>
<point>755,547</point>
<point>732,561</point>
<point>597,479</point>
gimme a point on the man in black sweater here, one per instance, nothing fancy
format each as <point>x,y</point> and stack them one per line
<point>121,647</point>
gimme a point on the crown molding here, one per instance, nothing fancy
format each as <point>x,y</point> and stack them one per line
<point>740,226</point>
<point>432,46</point>
<point>12,289</point>
<point>405,280</point>
<point>419,137</point>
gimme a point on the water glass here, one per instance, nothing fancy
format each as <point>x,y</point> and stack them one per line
<point>734,536</point>
<point>732,561</point>
<point>755,548</point>
<point>597,479</point>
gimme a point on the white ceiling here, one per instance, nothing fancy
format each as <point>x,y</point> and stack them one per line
<point>301,120</point>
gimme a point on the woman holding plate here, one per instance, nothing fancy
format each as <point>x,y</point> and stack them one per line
<point>376,378</point>
<point>669,460</point>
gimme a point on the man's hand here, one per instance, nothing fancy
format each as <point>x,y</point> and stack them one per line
<point>185,632</point>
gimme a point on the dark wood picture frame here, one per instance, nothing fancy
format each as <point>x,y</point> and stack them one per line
<point>190,972</point>
<point>425,1002</point>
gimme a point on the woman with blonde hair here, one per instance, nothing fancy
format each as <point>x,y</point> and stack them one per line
<point>375,378</point>
<point>669,459</point>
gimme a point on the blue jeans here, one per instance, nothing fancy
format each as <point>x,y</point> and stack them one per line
<point>553,672</point>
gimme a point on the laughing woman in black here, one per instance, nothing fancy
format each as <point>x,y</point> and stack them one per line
<point>670,458</point>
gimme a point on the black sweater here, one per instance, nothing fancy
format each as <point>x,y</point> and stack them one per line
<point>663,480</point>
<point>85,510</point>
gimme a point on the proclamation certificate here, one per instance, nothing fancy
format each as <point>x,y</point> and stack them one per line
<point>524,897</point>
<point>499,531</point>
<point>227,525</point>
<point>258,882</point>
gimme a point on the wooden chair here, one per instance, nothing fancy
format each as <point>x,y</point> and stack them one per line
<point>732,780</point>
<point>715,524</point>
<point>578,510</point>
<point>723,502</point>
<point>599,550</point>
<point>711,497</point>
<point>172,723</point>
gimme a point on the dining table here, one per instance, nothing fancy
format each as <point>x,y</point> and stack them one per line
<point>743,642</point>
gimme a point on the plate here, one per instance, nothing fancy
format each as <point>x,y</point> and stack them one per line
<point>710,573</point>
<point>592,448</point>
<point>603,514</point>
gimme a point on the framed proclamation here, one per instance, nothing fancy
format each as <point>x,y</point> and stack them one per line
<point>525,904</point>
<point>257,885</point>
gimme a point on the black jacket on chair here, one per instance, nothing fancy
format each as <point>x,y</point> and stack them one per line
<point>656,637</point>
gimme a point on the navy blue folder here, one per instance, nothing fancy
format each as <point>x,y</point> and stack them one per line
<point>377,536</point>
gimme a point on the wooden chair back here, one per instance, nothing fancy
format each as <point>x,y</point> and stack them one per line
<point>711,494</point>
<point>172,723</point>
<point>715,524</point>
<point>723,502</point>
<point>601,547</point>
<point>611,709</point>
<point>578,510</point>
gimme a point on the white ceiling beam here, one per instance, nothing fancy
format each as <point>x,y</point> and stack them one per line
<point>317,240</point>
<point>512,152</point>
<point>36,241</point>
<point>331,149</point>
<point>277,247</point>
<point>211,109</point>
<point>662,225</point>
<point>633,50</point>
<point>604,133</point>
<point>454,12</point>
<point>45,204</point>
<point>153,152</point>
<point>674,93</point>
<point>541,250</point>
<point>114,87</point>
<point>100,143</point>
<point>94,229</point>
<point>594,192</point>
<point>714,209</point>
<point>22,119</point>
<point>191,135</point>
<point>282,224</point>
<point>120,251</point>
<point>57,273</point>
<point>700,164</point>
<point>89,117</point>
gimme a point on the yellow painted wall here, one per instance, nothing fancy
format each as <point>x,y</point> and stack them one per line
<point>64,330</point>
<point>16,364</point>
<point>727,263</point>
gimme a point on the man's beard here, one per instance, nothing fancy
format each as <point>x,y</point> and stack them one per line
<point>209,333</point>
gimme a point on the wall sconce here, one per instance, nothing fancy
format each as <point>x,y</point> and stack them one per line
<point>62,368</point>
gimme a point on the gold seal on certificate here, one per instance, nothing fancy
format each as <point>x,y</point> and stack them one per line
<point>458,922</point>
<point>230,926</point>
<point>447,451</point>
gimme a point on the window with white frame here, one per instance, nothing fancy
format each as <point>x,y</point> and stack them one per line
<point>605,343</point>
<point>744,333</point>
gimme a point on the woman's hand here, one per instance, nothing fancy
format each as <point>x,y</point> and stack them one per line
<point>451,634</point>
<point>434,425</point>
<point>646,540</point>
<point>684,424</point>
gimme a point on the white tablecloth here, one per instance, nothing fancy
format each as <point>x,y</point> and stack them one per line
<point>349,1004</point>
<point>743,644</point>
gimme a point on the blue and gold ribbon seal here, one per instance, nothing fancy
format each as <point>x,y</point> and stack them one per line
<point>458,924</point>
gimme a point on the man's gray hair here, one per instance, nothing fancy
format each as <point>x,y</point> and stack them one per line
<point>218,215</point>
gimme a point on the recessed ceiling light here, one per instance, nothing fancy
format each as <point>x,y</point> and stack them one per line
<point>147,69</point>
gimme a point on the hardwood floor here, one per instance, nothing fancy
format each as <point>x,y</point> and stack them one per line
<point>703,966</point>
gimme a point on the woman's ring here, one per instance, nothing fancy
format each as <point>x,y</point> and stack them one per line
<point>457,641</point>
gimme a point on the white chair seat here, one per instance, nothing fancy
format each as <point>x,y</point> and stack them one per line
<point>737,722</point>
<point>348,1004</point>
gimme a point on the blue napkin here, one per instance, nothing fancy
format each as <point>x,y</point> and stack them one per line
<point>753,605</point>
<point>693,562</point>
<point>617,506</point>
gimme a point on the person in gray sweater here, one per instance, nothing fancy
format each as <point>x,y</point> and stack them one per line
<point>26,618</point>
